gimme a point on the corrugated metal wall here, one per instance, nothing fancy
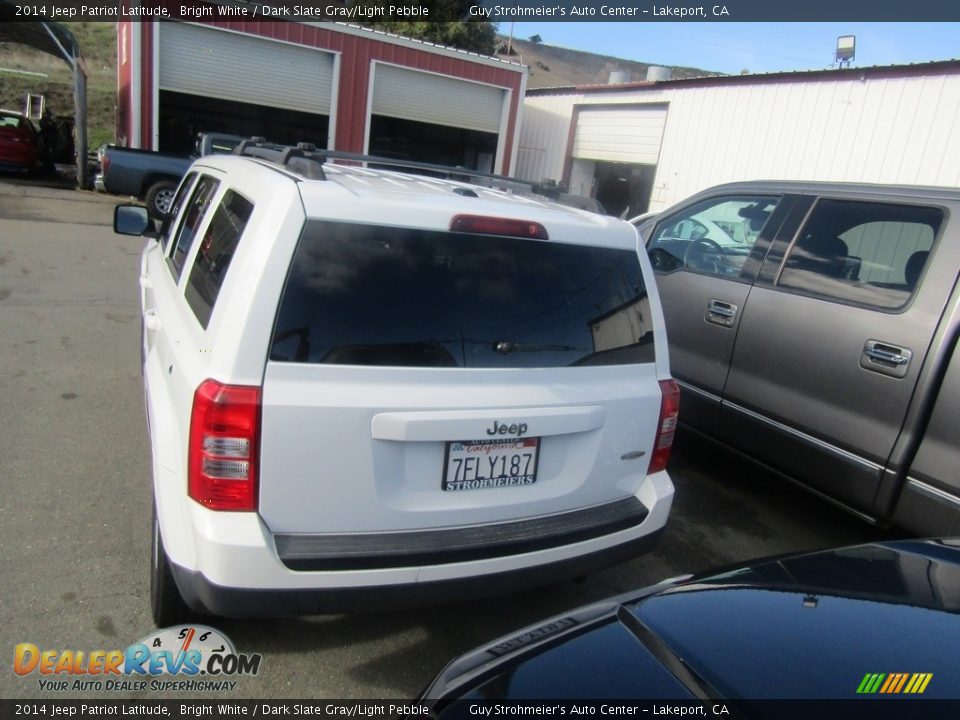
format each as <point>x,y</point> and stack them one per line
<point>357,48</point>
<point>893,129</point>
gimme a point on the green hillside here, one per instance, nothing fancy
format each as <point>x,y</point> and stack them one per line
<point>98,45</point>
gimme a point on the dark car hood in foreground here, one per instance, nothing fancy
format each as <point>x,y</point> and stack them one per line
<point>805,626</point>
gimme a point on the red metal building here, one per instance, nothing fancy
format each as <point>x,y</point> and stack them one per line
<point>339,86</point>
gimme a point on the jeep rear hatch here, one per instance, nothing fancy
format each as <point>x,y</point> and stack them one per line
<point>427,380</point>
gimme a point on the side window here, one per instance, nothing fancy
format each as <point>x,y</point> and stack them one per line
<point>215,253</point>
<point>713,237</point>
<point>861,252</point>
<point>169,222</point>
<point>199,201</point>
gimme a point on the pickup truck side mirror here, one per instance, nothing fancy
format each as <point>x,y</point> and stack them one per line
<point>133,220</point>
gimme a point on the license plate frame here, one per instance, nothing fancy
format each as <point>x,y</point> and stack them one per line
<point>490,456</point>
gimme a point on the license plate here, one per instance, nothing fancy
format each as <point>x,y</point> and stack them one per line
<point>477,464</point>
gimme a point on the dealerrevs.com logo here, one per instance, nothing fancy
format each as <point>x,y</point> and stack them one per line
<point>186,657</point>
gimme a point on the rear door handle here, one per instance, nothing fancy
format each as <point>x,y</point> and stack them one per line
<point>885,358</point>
<point>720,312</point>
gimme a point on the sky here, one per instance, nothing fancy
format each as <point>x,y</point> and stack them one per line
<point>757,47</point>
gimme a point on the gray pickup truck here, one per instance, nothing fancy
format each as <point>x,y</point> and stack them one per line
<point>813,328</point>
<point>152,176</point>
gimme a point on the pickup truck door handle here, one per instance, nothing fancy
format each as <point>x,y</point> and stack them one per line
<point>885,358</point>
<point>720,312</point>
<point>145,281</point>
<point>151,321</point>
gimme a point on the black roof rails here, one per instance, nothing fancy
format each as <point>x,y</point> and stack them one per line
<point>244,144</point>
<point>305,159</point>
<point>302,158</point>
<point>286,154</point>
<point>451,172</point>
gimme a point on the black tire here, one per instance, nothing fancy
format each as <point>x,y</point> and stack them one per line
<point>166,603</point>
<point>159,198</point>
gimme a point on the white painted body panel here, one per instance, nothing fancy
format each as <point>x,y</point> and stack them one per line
<point>351,449</point>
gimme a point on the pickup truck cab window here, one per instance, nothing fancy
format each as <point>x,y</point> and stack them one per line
<point>199,202</point>
<point>714,237</point>
<point>865,253</point>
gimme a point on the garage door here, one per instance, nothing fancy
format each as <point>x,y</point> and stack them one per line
<point>631,134</point>
<point>233,66</point>
<point>438,99</point>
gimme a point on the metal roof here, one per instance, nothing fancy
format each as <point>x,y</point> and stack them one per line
<point>929,68</point>
<point>54,39</point>
<point>50,37</point>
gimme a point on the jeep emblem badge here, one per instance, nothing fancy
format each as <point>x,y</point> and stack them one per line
<point>498,428</point>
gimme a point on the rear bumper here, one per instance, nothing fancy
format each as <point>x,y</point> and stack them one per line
<point>238,568</point>
<point>16,165</point>
<point>205,596</point>
<point>369,551</point>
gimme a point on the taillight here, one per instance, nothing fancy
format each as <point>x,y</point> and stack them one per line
<point>224,445</point>
<point>104,163</point>
<point>667,425</point>
<point>508,227</point>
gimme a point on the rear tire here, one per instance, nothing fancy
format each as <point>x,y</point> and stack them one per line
<point>159,198</point>
<point>166,603</point>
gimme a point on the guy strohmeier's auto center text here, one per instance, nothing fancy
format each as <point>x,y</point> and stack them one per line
<point>594,10</point>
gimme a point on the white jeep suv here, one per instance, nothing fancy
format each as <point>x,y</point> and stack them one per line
<point>367,387</point>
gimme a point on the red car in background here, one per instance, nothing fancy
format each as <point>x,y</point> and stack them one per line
<point>19,143</point>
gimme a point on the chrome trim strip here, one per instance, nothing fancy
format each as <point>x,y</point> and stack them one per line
<point>808,439</point>
<point>698,391</point>
<point>933,493</point>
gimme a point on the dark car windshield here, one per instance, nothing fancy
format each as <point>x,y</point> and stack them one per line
<point>368,295</point>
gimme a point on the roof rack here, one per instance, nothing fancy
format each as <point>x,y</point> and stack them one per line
<point>305,159</point>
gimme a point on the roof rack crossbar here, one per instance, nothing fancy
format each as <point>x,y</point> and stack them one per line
<point>304,158</point>
<point>452,172</point>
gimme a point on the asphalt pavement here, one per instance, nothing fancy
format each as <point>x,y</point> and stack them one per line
<point>75,500</point>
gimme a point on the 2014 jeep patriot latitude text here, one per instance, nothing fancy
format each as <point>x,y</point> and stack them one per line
<point>365,387</point>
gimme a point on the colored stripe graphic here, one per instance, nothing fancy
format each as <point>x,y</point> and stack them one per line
<point>894,683</point>
<point>871,683</point>
<point>918,683</point>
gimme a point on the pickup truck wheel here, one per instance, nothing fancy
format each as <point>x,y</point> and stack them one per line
<point>159,198</point>
<point>166,603</point>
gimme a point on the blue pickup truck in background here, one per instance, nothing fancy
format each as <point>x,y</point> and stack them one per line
<point>152,176</point>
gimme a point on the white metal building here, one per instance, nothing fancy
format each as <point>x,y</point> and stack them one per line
<point>648,145</point>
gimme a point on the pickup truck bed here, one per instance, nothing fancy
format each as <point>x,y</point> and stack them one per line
<point>153,176</point>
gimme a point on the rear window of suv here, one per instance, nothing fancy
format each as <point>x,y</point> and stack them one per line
<point>369,295</point>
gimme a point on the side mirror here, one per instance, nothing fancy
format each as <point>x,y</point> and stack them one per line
<point>131,220</point>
